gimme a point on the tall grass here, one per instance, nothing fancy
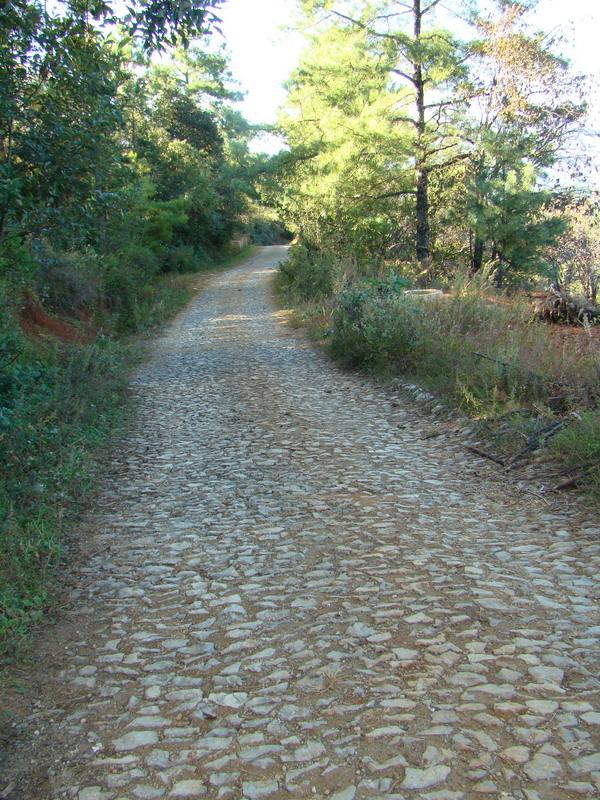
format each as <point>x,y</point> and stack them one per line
<point>482,352</point>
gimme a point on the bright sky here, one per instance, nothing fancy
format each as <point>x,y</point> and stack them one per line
<point>263,54</point>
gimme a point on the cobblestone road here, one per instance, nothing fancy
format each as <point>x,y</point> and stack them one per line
<point>296,596</point>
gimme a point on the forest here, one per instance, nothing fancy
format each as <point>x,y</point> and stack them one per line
<point>419,153</point>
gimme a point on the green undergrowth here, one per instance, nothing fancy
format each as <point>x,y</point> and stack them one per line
<point>478,350</point>
<point>60,402</point>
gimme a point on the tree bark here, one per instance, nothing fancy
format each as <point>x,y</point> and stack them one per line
<point>422,172</point>
<point>477,254</point>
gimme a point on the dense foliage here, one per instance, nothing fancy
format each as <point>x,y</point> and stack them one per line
<point>414,147</point>
<point>102,149</point>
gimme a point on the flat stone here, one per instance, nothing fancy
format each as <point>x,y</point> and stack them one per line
<point>188,788</point>
<point>542,767</point>
<point>146,792</point>
<point>542,706</point>
<point>93,793</point>
<point>231,700</point>
<point>255,790</point>
<point>349,793</point>
<point>418,619</point>
<point>547,674</point>
<point>424,778</point>
<point>361,630</point>
<point>590,763</point>
<point>309,751</point>
<point>517,754</point>
<point>405,654</point>
<point>135,739</point>
<point>591,717</point>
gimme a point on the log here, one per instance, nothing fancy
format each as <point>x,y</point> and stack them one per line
<point>561,307</point>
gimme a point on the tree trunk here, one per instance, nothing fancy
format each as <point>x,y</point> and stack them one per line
<point>422,215</point>
<point>422,172</point>
<point>477,254</point>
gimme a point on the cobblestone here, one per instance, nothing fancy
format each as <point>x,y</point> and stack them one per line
<point>292,593</point>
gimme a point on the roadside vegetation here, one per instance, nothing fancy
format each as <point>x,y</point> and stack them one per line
<point>421,159</point>
<point>123,179</point>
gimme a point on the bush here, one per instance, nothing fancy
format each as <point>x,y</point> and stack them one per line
<point>376,327</point>
<point>67,281</point>
<point>137,259</point>
<point>306,274</point>
<point>181,258</point>
<point>578,447</point>
<point>56,404</point>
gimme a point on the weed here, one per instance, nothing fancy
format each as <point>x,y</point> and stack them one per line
<point>578,447</point>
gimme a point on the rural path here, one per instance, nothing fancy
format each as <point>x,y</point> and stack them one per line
<point>293,594</point>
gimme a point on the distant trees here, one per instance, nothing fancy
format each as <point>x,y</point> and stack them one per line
<point>528,105</point>
<point>103,149</point>
<point>417,144</point>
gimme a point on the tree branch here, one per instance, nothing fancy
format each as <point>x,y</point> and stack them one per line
<point>450,162</point>
<point>384,196</point>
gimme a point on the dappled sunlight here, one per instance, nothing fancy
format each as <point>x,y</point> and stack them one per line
<point>232,318</point>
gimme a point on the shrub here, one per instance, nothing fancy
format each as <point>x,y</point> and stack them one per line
<point>56,404</point>
<point>67,281</point>
<point>578,447</point>
<point>140,260</point>
<point>306,274</point>
<point>376,327</point>
<point>482,352</point>
<point>181,258</point>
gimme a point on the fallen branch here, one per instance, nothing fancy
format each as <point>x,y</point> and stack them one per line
<point>483,454</point>
<point>432,435</point>
<point>558,306</point>
<point>536,440</point>
<point>507,365</point>
<point>568,484</point>
<point>574,480</point>
<point>587,465</point>
<point>495,360</point>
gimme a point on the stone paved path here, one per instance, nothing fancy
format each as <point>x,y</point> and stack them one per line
<point>296,596</point>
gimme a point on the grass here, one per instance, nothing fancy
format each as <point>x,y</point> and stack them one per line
<point>59,406</point>
<point>480,352</point>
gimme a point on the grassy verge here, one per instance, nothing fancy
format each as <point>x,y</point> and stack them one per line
<point>59,404</point>
<point>480,352</point>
